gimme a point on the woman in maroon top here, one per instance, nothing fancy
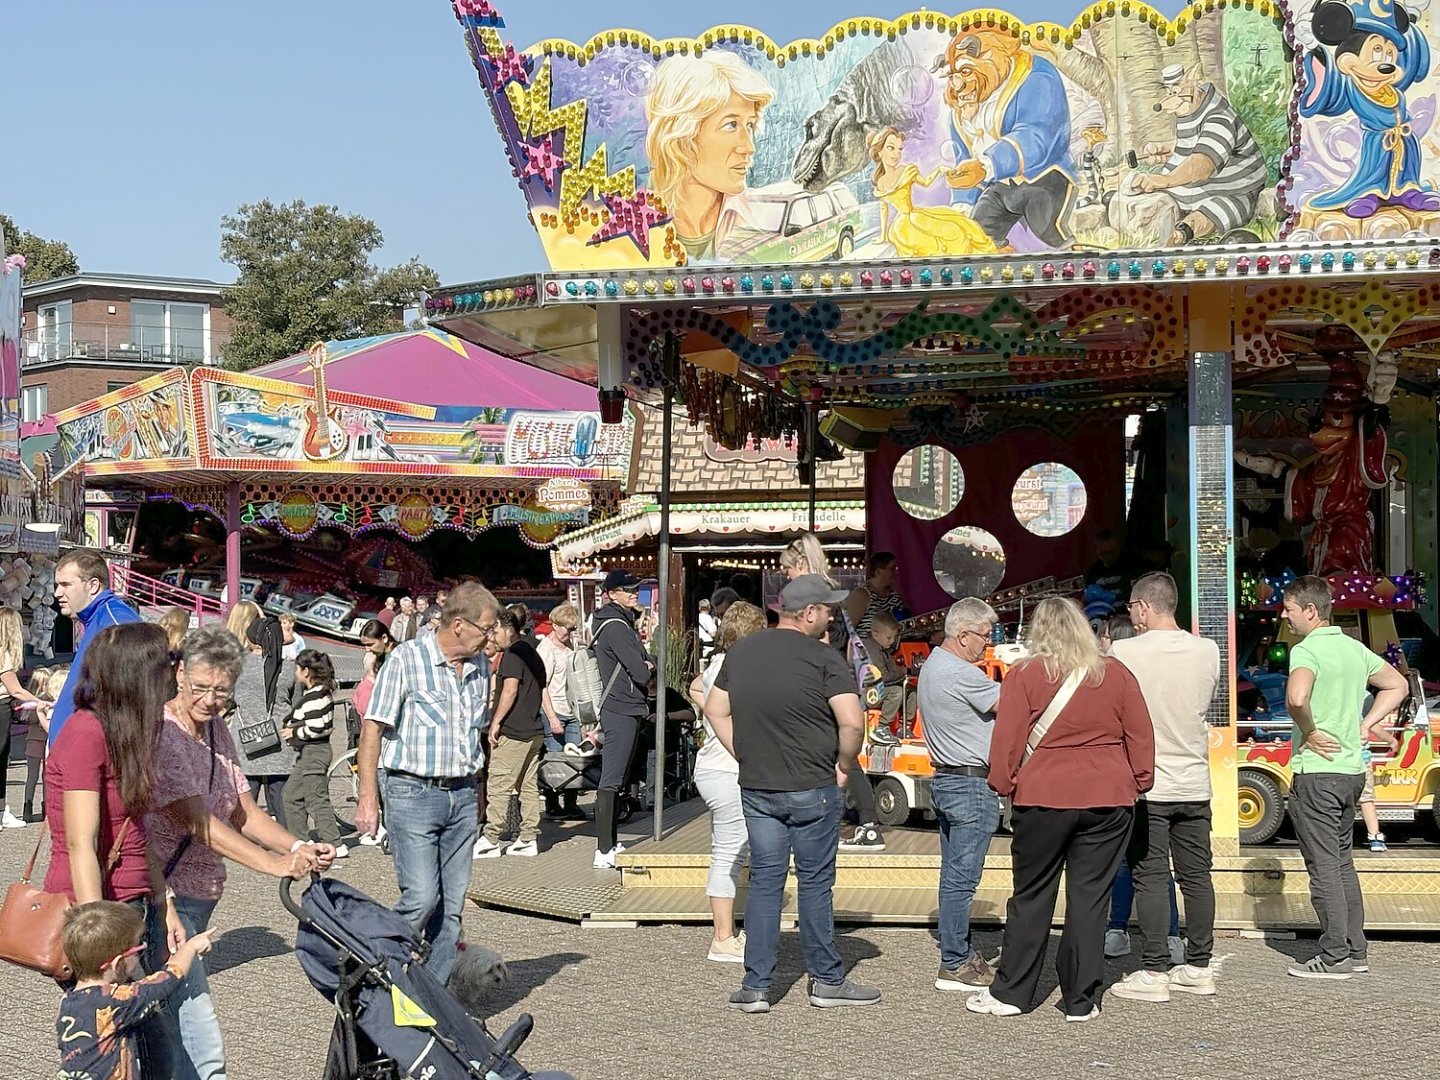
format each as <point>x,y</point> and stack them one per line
<point>98,784</point>
<point>1074,800</point>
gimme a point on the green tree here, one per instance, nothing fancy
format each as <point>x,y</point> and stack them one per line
<point>305,275</point>
<point>44,259</point>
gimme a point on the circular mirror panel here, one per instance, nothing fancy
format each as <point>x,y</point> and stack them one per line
<point>928,482</point>
<point>1049,499</point>
<point>969,562</point>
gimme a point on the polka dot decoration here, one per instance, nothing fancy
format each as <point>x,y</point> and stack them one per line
<point>1373,311</point>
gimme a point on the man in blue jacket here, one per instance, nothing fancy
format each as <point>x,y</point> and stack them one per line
<point>81,591</point>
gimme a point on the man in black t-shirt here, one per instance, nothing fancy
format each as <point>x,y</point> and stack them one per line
<point>516,742</point>
<point>785,705</point>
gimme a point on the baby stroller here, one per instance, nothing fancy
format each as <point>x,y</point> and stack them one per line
<point>394,1019</point>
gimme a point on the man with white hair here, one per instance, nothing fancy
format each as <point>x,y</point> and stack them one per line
<point>957,701</point>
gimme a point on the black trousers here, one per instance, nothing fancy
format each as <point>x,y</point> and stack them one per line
<point>1040,203</point>
<point>857,786</point>
<point>617,753</point>
<point>1177,832</point>
<point>1322,809</point>
<point>7,714</point>
<point>274,794</point>
<point>1088,846</point>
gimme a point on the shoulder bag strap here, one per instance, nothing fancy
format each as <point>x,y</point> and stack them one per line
<point>1041,727</point>
<point>115,847</point>
<point>39,842</point>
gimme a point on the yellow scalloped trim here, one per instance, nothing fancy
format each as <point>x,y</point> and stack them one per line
<point>1065,36</point>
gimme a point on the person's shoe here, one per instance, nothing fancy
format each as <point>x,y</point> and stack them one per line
<point>528,848</point>
<point>1189,979</point>
<point>1143,986</point>
<point>1117,943</point>
<point>587,748</point>
<point>342,851</point>
<point>984,1003</point>
<point>605,860</point>
<point>1377,842</point>
<point>826,996</point>
<point>10,821</point>
<point>1317,968</point>
<point>881,735</point>
<point>373,841</point>
<point>1080,1018</point>
<point>574,814</point>
<point>729,951</point>
<point>32,818</point>
<point>866,837</point>
<point>1360,965</point>
<point>1177,950</point>
<point>485,848</point>
<point>974,974</point>
<point>750,1001</point>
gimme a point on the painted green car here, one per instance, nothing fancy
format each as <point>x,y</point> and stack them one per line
<point>786,223</point>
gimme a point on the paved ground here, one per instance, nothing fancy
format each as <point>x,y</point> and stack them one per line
<point>645,1003</point>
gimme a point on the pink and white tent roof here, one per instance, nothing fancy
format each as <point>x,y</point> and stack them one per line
<point>431,367</point>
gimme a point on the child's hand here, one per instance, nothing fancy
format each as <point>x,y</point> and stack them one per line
<point>201,942</point>
<point>287,732</point>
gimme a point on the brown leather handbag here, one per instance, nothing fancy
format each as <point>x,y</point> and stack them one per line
<point>31,919</point>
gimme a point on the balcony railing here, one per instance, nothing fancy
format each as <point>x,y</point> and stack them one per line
<point>117,343</point>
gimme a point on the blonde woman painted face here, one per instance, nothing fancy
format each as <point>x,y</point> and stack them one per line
<point>724,149</point>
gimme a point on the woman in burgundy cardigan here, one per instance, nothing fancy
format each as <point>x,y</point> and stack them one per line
<point>1074,800</point>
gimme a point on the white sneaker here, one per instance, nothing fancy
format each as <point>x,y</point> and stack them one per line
<point>342,851</point>
<point>1143,986</point>
<point>729,951</point>
<point>485,849</point>
<point>1193,980</point>
<point>1093,1014</point>
<point>1117,943</point>
<point>523,847</point>
<point>619,849</point>
<point>983,1002</point>
<point>1177,950</point>
<point>10,821</point>
<point>604,860</point>
<point>373,841</point>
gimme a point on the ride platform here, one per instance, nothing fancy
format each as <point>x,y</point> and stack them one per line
<point>1257,889</point>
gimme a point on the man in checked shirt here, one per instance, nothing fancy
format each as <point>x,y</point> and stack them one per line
<point>426,729</point>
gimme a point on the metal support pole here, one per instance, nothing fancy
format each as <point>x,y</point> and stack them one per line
<point>232,542</point>
<point>812,432</point>
<point>670,366</point>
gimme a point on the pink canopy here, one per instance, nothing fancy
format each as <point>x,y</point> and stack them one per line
<point>430,367</point>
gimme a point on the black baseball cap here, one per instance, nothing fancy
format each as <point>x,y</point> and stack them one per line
<point>620,579</point>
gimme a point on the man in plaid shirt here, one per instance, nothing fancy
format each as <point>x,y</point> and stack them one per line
<point>426,728</point>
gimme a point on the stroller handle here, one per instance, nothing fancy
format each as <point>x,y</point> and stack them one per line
<point>510,1041</point>
<point>287,884</point>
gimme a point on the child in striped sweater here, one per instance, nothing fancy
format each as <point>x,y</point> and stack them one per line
<point>307,792</point>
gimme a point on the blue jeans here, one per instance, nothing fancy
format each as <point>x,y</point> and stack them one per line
<point>204,1050</point>
<point>968,812</point>
<point>1122,898</point>
<point>432,831</point>
<point>554,744</point>
<point>807,823</point>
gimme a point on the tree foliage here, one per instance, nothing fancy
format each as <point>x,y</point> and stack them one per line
<point>305,275</point>
<point>44,259</point>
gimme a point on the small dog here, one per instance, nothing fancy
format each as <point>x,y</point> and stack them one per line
<point>476,973</point>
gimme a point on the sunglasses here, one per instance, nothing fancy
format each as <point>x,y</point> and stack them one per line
<point>120,958</point>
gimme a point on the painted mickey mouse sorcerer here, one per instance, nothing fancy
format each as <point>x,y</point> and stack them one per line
<point>1371,52</point>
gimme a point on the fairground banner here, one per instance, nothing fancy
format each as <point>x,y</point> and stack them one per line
<point>935,135</point>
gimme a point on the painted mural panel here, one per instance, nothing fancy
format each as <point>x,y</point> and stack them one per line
<point>144,427</point>
<point>925,137</point>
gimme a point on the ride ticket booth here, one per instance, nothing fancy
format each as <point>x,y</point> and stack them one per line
<point>1003,261</point>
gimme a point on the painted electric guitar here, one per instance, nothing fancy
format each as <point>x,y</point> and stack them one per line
<point>324,437</point>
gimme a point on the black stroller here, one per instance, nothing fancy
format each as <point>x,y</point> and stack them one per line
<point>394,1019</point>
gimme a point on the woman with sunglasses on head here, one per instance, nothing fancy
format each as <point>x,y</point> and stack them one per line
<point>100,778</point>
<point>202,814</point>
<point>264,688</point>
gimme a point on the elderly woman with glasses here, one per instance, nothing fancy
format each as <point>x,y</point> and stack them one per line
<point>202,813</point>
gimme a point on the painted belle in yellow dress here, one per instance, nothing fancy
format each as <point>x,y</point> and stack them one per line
<point>918,231</point>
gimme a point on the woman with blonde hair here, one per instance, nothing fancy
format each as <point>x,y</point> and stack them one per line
<point>918,231</point>
<point>241,616</point>
<point>704,115</point>
<point>176,624</point>
<point>804,555</point>
<point>12,659</point>
<point>717,776</point>
<point>1073,748</point>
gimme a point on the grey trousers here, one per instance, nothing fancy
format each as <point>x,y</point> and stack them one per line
<point>307,794</point>
<point>1322,808</point>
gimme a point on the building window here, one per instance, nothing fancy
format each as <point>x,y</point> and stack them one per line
<point>170,333</point>
<point>34,402</point>
<point>55,331</point>
<point>111,387</point>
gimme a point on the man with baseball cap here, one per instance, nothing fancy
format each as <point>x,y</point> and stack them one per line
<point>616,643</point>
<point>785,705</point>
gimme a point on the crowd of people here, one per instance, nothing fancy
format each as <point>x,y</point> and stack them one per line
<point>160,743</point>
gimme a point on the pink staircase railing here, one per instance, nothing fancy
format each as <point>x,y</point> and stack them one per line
<point>145,591</point>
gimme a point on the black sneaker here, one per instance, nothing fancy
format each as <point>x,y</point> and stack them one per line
<point>883,736</point>
<point>865,838</point>
<point>749,1001</point>
<point>826,996</point>
<point>1317,968</point>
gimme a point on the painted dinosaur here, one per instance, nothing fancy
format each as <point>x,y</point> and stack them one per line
<point>863,103</point>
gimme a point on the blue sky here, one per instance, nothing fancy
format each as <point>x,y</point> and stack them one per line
<point>137,126</point>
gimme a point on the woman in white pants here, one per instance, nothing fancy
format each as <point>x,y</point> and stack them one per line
<point>717,776</point>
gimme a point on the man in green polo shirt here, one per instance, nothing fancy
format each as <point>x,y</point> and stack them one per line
<point>1329,673</point>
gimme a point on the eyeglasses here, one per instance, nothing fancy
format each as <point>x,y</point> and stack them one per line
<point>1131,603</point>
<point>216,693</point>
<point>120,958</point>
<point>485,631</point>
